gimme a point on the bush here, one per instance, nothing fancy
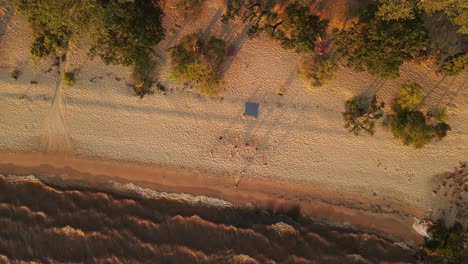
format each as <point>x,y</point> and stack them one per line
<point>381,47</point>
<point>447,243</point>
<point>410,96</point>
<point>69,78</point>
<point>455,64</point>
<point>411,128</point>
<point>202,68</point>
<point>361,114</point>
<point>316,71</point>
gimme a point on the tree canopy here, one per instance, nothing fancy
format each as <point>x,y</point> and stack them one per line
<point>381,47</point>
<point>456,10</point>
<point>295,28</point>
<point>361,113</point>
<point>120,31</point>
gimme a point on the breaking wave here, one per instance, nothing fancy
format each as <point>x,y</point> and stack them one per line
<point>45,223</point>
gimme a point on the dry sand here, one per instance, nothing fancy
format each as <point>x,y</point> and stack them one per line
<point>297,140</point>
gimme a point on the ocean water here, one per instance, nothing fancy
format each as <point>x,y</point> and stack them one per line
<point>51,224</point>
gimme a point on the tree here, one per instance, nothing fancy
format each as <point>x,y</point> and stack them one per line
<point>455,64</point>
<point>380,47</point>
<point>52,27</point>
<point>396,9</point>
<point>299,30</point>
<point>120,31</point>
<point>410,96</point>
<point>317,70</point>
<point>257,12</point>
<point>130,30</point>
<point>410,127</point>
<point>361,113</point>
<point>295,29</point>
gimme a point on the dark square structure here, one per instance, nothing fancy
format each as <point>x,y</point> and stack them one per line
<point>251,110</point>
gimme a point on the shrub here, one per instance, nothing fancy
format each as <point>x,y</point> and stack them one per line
<point>316,71</point>
<point>411,128</point>
<point>69,78</point>
<point>202,68</point>
<point>455,64</point>
<point>380,47</point>
<point>410,96</point>
<point>444,242</point>
<point>361,114</point>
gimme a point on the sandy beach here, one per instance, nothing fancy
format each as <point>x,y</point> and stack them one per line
<point>296,153</point>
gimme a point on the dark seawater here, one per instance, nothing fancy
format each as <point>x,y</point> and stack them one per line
<point>49,224</point>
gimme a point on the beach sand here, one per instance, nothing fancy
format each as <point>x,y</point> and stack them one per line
<point>296,152</point>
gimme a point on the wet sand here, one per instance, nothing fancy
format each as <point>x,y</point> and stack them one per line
<point>369,214</point>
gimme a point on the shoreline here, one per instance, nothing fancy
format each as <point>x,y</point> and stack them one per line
<point>375,215</point>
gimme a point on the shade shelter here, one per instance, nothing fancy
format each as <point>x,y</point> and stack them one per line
<point>251,110</point>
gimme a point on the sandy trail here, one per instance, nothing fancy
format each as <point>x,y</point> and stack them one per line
<point>54,137</point>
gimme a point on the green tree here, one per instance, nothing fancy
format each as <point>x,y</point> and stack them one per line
<point>380,47</point>
<point>410,127</point>
<point>130,31</point>
<point>396,9</point>
<point>299,30</point>
<point>410,96</point>
<point>361,113</point>
<point>52,26</point>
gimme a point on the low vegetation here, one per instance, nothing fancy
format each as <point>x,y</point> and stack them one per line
<point>410,124</point>
<point>361,113</point>
<point>317,70</point>
<point>444,242</point>
<point>410,96</point>
<point>199,63</point>
<point>69,78</point>
<point>455,64</point>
